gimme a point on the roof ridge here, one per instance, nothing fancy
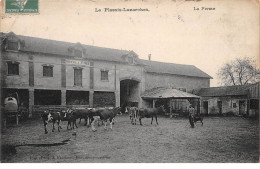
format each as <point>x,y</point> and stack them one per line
<point>73,43</point>
<point>165,62</point>
<point>227,86</point>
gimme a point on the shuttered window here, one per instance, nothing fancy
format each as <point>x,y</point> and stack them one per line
<point>48,71</point>
<point>12,45</point>
<point>77,77</point>
<point>104,74</point>
<point>13,68</point>
<point>130,60</point>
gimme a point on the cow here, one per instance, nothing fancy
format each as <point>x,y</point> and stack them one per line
<point>198,117</point>
<point>133,114</point>
<point>150,113</point>
<point>71,118</point>
<point>98,119</point>
<point>71,115</point>
<point>103,114</point>
<point>48,116</point>
<point>81,114</point>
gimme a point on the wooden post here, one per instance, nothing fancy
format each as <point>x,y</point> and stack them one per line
<point>17,118</point>
<point>170,108</point>
<point>154,100</point>
<point>4,123</point>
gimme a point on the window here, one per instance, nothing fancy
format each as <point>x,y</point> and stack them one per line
<point>48,71</point>
<point>234,105</point>
<point>13,68</point>
<point>12,45</point>
<point>77,76</point>
<point>182,89</point>
<point>130,60</point>
<point>78,53</point>
<point>104,74</point>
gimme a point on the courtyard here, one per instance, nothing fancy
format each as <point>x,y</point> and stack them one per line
<point>220,139</point>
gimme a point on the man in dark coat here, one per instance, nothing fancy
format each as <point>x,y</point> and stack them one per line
<point>191,115</point>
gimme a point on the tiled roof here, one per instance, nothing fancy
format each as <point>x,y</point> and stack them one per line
<point>223,91</point>
<point>47,46</point>
<point>162,92</point>
<point>172,68</point>
<point>33,44</point>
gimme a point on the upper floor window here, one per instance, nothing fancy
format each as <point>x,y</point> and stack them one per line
<point>104,74</point>
<point>77,76</point>
<point>130,60</point>
<point>77,53</point>
<point>12,45</point>
<point>48,71</point>
<point>13,68</point>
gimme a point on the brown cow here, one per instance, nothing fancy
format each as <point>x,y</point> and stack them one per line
<point>150,113</point>
<point>103,114</point>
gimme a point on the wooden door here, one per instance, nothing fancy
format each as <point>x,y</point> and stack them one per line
<point>242,106</point>
<point>220,107</point>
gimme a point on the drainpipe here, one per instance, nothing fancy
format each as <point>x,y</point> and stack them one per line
<point>149,57</point>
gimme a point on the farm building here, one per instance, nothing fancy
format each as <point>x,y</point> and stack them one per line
<point>175,101</point>
<point>48,72</point>
<point>240,100</point>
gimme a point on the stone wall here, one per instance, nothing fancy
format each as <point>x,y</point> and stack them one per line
<point>229,104</point>
<point>177,81</point>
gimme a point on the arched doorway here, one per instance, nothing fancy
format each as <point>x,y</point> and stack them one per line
<point>129,92</point>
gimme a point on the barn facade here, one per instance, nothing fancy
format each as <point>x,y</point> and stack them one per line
<point>49,72</point>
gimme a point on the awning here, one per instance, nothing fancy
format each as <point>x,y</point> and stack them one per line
<point>160,93</point>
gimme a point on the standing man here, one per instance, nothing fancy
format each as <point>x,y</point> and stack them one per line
<point>191,116</point>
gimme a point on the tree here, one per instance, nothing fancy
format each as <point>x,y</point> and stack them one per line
<point>240,71</point>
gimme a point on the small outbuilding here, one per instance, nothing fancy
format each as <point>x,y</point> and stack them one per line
<point>176,102</point>
<point>241,100</point>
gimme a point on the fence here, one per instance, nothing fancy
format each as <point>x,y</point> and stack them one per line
<point>38,109</point>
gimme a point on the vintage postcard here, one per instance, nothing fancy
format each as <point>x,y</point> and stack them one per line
<point>129,81</point>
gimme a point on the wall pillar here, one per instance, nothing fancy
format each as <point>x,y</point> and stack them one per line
<point>91,98</point>
<point>141,89</point>
<point>117,95</point>
<point>31,101</point>
<point>63,98</point>
<point>117,87</point>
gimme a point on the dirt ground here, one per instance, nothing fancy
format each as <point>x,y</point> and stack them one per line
<point>221,139</point>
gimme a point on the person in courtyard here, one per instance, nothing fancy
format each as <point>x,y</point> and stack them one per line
<point>191,115</point>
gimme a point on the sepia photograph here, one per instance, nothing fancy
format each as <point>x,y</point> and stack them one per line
<point>129,81</point>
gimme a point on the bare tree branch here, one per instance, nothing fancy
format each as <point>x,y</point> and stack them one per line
<point>238,72</point>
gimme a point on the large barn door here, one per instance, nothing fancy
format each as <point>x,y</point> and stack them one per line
<point>129,93</point>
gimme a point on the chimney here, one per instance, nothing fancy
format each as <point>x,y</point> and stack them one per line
<point>149,57</point>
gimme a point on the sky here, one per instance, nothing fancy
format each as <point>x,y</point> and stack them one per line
<point>171,31</point>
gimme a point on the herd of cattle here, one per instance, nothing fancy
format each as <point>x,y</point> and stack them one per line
<point>93,115</point>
